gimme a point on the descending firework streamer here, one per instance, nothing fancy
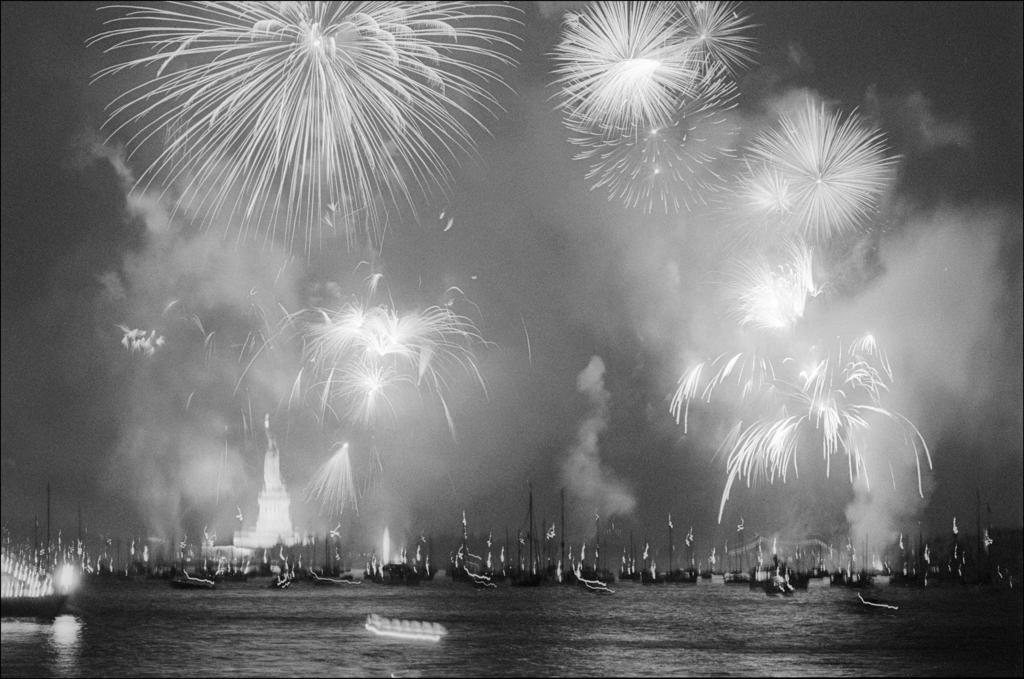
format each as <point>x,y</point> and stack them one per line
<point>360,357</point>
<point>816,174</point>
<point>333,485</point>
<point>838,398</point>
<point>752,373</point>
<point>622,66</point>
<point>670,165</point>
<point>828,398</point>
<point>296,118</point>
<point>765,297</point>
<point>772,297</point>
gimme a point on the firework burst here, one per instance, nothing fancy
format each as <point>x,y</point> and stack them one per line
<point>669,166</point>
<point>360,357</point>
<point>717,32</point>
<point>817,173</point>
<point>622,66</point>
<point>299,120</point>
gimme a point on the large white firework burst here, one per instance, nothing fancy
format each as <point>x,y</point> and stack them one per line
<point>623,66</point>
<point>817,174</point>
<point>670,166</point>
<point>295,121</point>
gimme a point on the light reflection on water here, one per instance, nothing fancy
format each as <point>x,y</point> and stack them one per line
<point>53,645</point>
<point>150,629</point>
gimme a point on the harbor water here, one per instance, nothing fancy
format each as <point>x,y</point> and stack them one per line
<point>146,628</point>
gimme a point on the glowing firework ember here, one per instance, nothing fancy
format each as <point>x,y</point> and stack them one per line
<point>333,484</point>
<point>359,357</point>
<point>297,118</point>
<point>667,166</point>
<point>816,173</point>
<point>623,64</point>
<point>136,340</point>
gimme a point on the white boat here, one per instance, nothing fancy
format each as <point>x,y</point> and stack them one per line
<point>405,629</point>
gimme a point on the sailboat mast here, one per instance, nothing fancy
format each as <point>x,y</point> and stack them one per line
<point>531,529</point>
<point>561,556</point>
<point>977,554</point>
<point>670,544</point>
<point>47,524</point>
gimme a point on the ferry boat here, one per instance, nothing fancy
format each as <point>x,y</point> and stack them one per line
<point>405,629</point>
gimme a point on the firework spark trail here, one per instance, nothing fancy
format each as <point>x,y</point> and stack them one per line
<point>669,165</point>
<point>621,65</point>
<point>529,349</point>
<point>755,375</point>
<point>284,115</point>
<point>333,485</point>
<point>818,174</point>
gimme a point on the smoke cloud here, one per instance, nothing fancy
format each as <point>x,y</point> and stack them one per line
<point>589,482</point>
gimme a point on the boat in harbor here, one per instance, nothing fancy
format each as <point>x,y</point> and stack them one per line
<point>185,581</point>
<point>480,581</point>
<point>530,576</point>
<point>30,592</point>
<point>413,630</point>
<point>776,587</point>
<point>43,606</point>
<point>595,586</point>
<point>397,574</point>
<point>281,581</point>
<point>779,584</point>
<point>344,580</point>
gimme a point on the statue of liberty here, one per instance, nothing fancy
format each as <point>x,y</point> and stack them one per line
<point>272,461</point>
<point>273,523</point>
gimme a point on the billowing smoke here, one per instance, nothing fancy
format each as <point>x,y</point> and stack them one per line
<point>939,304</point>
<point>192,325</point>
<point>590,484</point>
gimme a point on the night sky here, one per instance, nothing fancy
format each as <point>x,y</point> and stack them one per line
<point>553,274</point>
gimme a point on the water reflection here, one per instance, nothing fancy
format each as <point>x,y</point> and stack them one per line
<point>60,642</point>
<point>65,640</point>
<point>66,637</point>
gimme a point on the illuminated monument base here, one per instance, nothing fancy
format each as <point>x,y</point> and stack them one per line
<point>273,523</point>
